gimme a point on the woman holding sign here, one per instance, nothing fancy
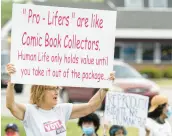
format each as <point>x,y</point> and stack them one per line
<point>43,116</point>
<point>157,124</point>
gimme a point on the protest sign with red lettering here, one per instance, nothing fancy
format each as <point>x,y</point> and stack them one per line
<point>62,46</point>
<point>126,109</point>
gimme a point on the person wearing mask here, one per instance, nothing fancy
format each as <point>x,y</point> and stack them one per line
<point>157,124</point>
<point>89,124</point>
<point>11,130</point>
<point>43,116</point>
<point>116,130</point>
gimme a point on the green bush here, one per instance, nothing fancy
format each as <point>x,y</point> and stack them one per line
<point>6,11</point>
<point>152,72</point>
<point>168,72</point>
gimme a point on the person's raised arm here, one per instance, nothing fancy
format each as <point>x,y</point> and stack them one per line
<point>80,110</point>
<point>17,110</point>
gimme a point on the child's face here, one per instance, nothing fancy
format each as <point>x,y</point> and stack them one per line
<point>88,128</point>
<point>88,124</point>
<point>11,132</point>
<point>119,133</point>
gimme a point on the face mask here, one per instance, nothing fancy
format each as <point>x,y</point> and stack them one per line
<point>169,112</point>
<point>88,130</point>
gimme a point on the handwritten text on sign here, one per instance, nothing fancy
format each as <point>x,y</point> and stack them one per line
<point>62,46</point>
<point>126,109</point>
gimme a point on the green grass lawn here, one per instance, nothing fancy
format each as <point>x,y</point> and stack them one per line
<point>72,128</point>
<point>6,120</point>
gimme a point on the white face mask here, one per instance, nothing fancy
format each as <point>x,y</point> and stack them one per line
<point>169,112</point>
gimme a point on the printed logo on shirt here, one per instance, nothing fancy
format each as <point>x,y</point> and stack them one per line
<point>55,125</point>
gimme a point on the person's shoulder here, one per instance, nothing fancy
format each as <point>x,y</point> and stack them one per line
<point>30,106</point>
<point>149,123</point>
<point>167,123</point>
<point>63,104</point>
<point>150,120</point>
<point>167,126</point>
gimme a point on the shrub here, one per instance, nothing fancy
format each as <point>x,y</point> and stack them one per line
<point>152,72</point>
<point>168,72</point>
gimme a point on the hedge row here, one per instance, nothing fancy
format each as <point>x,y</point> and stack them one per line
<point>157,73</point>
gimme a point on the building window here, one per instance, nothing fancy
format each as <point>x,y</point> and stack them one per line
<point>134,3</point>
<point>158,3</point>
<point>129,52</point>
<point>117,52</point>
<point>166,52</point>
<point>148,51</point>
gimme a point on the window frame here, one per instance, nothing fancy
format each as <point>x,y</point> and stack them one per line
<point>150,4</point>
<point>128,5</point>
<point>153,54</point>
<point>165,61</point>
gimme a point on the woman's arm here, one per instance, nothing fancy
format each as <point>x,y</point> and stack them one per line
<point>80,110</point>
<point>17,110</point>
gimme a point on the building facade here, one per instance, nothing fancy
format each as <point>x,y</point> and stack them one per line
<point>144,29</point>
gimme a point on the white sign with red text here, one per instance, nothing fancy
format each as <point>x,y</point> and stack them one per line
<point>62,46</point>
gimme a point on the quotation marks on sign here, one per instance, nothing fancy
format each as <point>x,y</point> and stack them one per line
<point>73,14</point>
<point>24,11</point>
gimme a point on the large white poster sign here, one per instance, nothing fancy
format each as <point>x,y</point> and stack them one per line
<point>126,109</point>
<point>62,46</point>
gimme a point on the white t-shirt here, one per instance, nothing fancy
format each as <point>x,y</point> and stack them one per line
<point>39,122</point>
<point>157,129</point>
